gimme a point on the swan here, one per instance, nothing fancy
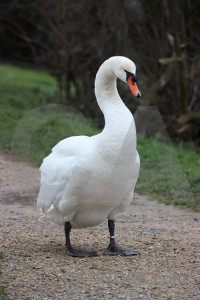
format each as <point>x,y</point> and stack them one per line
<point>86,180</point>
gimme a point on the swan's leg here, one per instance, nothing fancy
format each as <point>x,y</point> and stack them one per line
<point>70,250</point>
<point>114,249</point>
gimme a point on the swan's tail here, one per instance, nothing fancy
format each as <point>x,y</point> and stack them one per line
<point>51,214</point>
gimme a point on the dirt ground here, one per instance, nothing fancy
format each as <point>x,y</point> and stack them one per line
<point>36,266</point>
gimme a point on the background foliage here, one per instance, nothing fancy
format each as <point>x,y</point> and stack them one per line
<point>71,39</point>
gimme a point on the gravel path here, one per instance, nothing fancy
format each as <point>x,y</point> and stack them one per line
<point>36,266</point>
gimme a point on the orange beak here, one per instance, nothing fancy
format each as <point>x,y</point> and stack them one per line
<point>133,87</point>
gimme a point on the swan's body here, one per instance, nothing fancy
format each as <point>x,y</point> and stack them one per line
<point>86,180</point>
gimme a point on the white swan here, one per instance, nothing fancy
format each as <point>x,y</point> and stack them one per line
<point>86,180</point>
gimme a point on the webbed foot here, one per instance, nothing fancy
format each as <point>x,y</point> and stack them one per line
<point>116,250</point>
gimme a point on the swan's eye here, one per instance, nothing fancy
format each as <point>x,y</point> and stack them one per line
<point>133,77</point>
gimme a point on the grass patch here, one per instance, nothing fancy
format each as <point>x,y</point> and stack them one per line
<point>37,82</point>
<point>30,121</point>
<point>169,172</point>
<point>40,129</point>
<point>31,124</point>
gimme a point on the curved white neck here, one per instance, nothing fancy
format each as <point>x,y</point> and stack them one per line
<point>108,98</point>
<point>119,122</point>
<point>118,138</point>
<point>106,88</point>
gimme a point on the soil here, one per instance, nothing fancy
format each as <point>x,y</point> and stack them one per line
<point>36,265</point>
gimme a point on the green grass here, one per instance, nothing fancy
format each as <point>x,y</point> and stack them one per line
<point>169,172</point>
<point>31,123</point>
<point>30,120</point>
<point>37,82</point>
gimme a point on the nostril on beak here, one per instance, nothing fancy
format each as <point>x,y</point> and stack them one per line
<point>138,95</point>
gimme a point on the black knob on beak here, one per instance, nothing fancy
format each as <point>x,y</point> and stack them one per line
<point>138,95</point>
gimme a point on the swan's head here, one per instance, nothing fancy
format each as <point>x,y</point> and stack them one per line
<point>125,70</point>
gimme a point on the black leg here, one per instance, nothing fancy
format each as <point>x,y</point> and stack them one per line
<point>68,228</point>
<point>114,249</point>
<point>70,250</point>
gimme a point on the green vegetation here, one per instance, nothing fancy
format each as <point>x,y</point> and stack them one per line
<point>169,172</point>
<point>31,124</point>
<point>30,121</point>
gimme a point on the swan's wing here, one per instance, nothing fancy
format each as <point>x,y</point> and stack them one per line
<point>70,146</point>
<point>57,168</point>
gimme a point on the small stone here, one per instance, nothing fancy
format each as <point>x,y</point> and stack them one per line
<point>148,243</point>
<point>92,267</point>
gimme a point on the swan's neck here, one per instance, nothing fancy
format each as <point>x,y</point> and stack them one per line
<point>115,112</point>
<point>106,89</point>
<point>119,131</point>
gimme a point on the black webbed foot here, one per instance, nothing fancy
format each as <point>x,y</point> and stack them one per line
<point>70,250</point>
<point>114,249</point>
